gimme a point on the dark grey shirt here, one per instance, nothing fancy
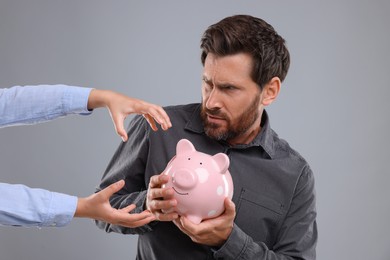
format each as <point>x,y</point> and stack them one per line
<point>273,192</point>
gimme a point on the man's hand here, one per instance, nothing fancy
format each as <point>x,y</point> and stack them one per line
<point>160,201</point>
<point>211,232</point>
<point>120,106</point>
<point>98,207</point>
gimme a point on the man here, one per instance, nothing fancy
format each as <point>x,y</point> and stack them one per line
<point>23,206</point>
<point>272,214</point>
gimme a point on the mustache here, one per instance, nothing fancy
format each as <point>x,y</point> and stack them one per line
<point>215,112</point>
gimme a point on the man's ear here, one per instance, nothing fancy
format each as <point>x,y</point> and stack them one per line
<point>271,91</point>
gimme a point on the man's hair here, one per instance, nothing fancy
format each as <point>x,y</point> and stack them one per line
<point>251,35</point>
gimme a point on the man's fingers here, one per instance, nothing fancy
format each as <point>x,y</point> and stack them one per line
<point>162,204</point>
<point>178,222</point>
<point>230,207</point>
<point>166,216</point>
<point>157,180</point>
<point>158,193</point>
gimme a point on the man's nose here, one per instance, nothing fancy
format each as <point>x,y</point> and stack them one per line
<point>214,100</point>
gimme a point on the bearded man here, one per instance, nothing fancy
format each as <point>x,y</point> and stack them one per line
<point>272,213</point>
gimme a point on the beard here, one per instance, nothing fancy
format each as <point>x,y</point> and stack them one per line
<point>233,129</point>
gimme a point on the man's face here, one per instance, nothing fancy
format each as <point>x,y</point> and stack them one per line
<point>231,100</point>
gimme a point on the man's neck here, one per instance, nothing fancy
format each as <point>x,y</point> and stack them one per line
<point>248,136</point>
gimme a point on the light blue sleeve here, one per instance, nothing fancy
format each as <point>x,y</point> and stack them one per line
<point>35,104</point>
<point>27,207</point>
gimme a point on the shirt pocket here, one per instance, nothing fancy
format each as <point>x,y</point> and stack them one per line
<point>258,216</point>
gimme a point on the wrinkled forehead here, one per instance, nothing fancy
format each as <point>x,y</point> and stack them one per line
<point>228,69</point>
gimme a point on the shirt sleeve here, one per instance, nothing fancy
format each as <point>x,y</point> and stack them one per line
<point>28,207</point>
<point>34,104</point>
<point>296,240</point>
<point>128,163</point>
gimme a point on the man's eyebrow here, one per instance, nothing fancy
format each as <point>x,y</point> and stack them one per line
<point>220,85</point>
<point>205,79</point>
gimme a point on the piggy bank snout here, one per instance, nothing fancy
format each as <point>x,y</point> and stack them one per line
<point>184,178</point>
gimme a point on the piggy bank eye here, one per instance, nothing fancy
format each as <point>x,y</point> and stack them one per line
<point>189,158</point>
<point>200,163</point>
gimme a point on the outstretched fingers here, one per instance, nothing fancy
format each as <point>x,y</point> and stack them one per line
<point>133,220</point>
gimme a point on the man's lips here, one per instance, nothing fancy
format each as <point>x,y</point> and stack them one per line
<point>214,118</point>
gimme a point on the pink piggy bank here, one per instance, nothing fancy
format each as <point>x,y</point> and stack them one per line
<point>201,182</point>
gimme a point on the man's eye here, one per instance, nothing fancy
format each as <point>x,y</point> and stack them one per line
<point>207,84</point>
<point>229,87</point>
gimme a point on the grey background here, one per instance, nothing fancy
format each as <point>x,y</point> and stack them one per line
<point>332,108</point>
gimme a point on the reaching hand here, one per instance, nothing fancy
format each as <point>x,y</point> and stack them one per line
<point>120,106</point>
<point>98,207</point>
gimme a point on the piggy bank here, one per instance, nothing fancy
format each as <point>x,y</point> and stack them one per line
<point>201,182</point>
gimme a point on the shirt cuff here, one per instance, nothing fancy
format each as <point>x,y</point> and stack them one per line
<point>75,99</point>
<point>234,246</point>
<point>61,211</point>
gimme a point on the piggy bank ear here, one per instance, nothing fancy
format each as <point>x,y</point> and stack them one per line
<point>184,146</point>
<point>222,161</point>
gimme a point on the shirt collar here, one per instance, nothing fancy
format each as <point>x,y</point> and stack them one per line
<point>264,139</point>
